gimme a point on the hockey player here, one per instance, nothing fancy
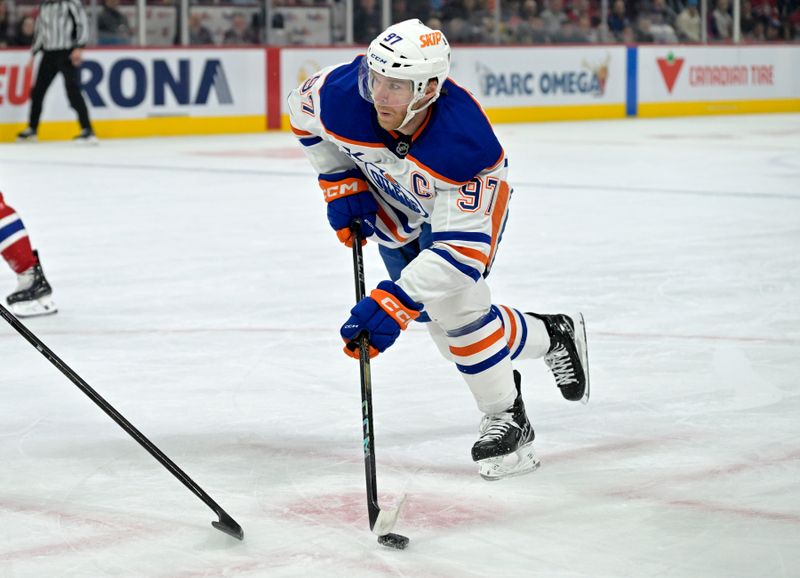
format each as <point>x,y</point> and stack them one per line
<point>32,296</point>
<point>411,154</point>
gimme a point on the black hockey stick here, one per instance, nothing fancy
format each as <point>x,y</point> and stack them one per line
<point>380,521</point>
<point>225,524</point>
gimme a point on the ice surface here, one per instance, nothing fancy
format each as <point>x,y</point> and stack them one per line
<point>201,292</point>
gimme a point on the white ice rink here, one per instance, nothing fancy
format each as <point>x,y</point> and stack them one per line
<point>201,292</point>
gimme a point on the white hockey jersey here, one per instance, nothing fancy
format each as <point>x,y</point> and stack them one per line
<point>452,174</point>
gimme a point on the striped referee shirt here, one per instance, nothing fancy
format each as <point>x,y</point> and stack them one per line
<point>61,25</point>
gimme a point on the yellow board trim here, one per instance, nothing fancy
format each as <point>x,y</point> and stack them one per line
<point>652,109</point>
<point>554,113</point>
<point>144,127</point>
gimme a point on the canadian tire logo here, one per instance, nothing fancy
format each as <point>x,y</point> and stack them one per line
<point>670,69</point>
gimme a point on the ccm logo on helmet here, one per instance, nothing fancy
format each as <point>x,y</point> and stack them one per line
<point>430,39</point>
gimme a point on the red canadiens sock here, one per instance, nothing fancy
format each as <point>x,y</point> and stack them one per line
<point>19,254</point>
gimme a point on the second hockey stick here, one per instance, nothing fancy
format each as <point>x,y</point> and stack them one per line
<point>224,524</point>
<point>381,521</point>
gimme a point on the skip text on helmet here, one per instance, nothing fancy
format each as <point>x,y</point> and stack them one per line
<point>430,39</point>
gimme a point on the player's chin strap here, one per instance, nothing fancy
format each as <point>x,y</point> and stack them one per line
<point>411,112</point>
<point>381,521</point>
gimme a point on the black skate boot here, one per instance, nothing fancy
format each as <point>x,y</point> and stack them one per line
<point>27,135</point>
<point>86,136</point>
<point>32,296</point>
<point>568,357</point>
<point>502,435</point>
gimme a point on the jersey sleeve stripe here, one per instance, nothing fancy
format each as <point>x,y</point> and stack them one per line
<point>462,236</point>
<point>311,141</point>
<point>299,132</point>
<point>374,145</point>
<point>470,253</point>
<point>353,173</point>
<point>499,217</point>
<point>470,272</point>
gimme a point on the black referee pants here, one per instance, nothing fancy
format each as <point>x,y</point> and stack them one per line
<point>53,62</point>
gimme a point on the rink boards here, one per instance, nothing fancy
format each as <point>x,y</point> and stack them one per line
<point>144,92</point>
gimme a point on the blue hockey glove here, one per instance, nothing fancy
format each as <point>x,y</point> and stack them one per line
<point>382,315</point>
<point>349,198</point>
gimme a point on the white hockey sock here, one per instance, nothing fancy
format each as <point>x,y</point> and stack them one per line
<point>526,335</point>
<point>481,354</point>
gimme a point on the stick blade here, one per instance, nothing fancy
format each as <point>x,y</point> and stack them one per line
<point>229,526</point>
<point>387,518</point>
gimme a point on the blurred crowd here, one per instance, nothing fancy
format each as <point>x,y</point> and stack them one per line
<point>464,21</point>
<point>580,21</point>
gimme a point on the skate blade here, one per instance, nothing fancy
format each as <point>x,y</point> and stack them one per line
<point>499,468</point>
<point>583,352</point>
<point>36,308</point>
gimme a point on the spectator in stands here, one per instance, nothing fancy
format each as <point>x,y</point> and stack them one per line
<point>112,25</point>
<point>721,21</point>
<point>759,33</point>
<point>531,31</point>
<point>366,21</point>
<point>569,34</point>
<point>766,10</point>
<point>433,23</point>
<point>5,25</point>
<point>687,24</point>
<point>24,33</point>
<point>240,31</point>
<point>628,35</point>
<point>580,7</point>
<point>794,24</point>
<point>746,20</point>
<point>662,19</point>
<point>554,18</point>
<point>774,30</point>
<point>618,20</point>
<point>466,21</point>
<point>199,34</point>
<point>642,32</point>
<point>404,9</point>
<point>586,30</point>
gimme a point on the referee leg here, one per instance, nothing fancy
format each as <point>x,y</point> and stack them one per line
<point>72,84</point>
<point>48,69</point>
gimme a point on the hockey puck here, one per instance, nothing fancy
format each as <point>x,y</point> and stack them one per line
<point>395,541</point>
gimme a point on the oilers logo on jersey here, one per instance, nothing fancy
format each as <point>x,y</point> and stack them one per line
<point>384,181</point>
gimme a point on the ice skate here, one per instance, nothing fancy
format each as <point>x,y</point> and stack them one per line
<point>33,295</point>
<point>86,136</point>
<point>27,135</point>
<point>505,446</point>
<point>568,357</point>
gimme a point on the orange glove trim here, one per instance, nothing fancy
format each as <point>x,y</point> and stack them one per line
<point>351,349</point>
<point>332,190</point>
<point>394,308</point>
